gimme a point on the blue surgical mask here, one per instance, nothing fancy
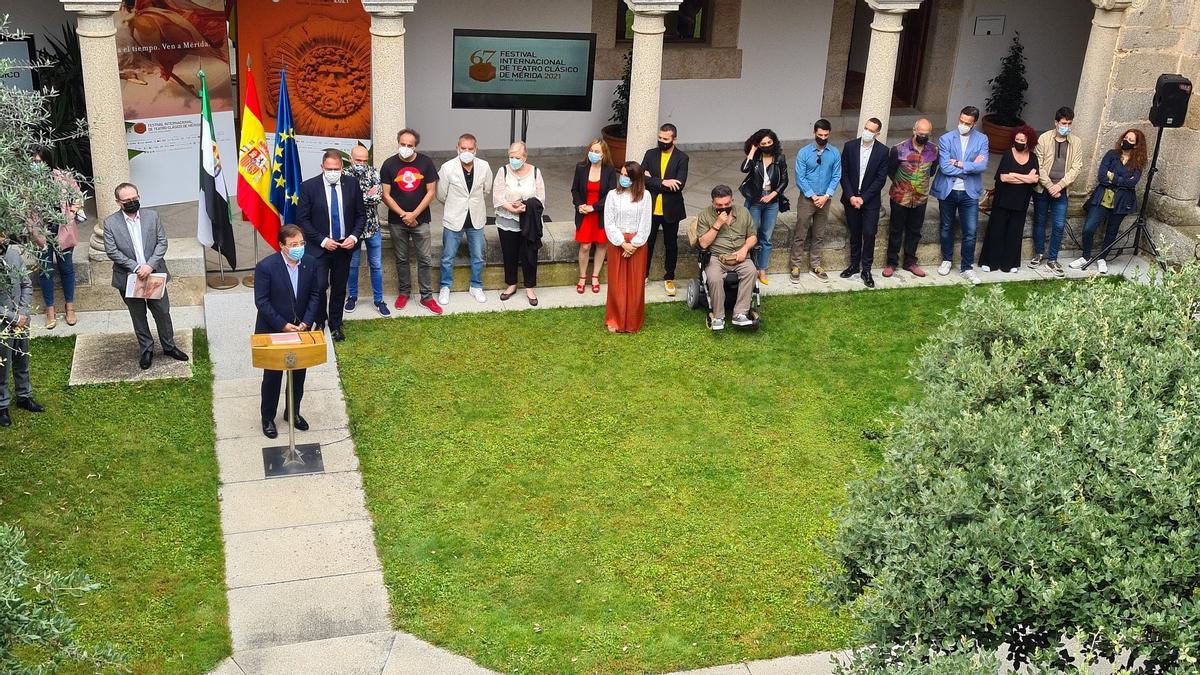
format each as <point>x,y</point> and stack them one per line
<point>625,182</point>
<point>515,163</point>
<point>1064,131</point>
<point>296,252</point>
<point>595,157</point>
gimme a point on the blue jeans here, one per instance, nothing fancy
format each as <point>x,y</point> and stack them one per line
<point>968,216</point>
<point>1056,208</point>
<point>764,217</point>
<point>63,262</point>
<point>374,261</point>
<point>450,243</point>
<point>1095,216</point>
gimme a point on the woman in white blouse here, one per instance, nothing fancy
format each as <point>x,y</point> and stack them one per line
<point>627,213</point>
<point>515,183</point>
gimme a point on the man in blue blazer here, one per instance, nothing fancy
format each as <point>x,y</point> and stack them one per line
<point>864,172</point>
<point>288,294</point>
<point>962,159</point>
<point>332,216</point>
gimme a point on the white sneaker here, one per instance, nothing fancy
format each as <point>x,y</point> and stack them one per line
<point>1014,270</point>
<point>1102,265</point>
<point>971,276</point>
<point>742,320</point>
<point>477,293</point>
<point>944,268</point>
<point>444,296</point>
<point>717,324</point>
<point>1077,263</point>
<point>985,268</point>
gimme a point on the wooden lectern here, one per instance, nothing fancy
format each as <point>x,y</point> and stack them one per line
<point>289,352</point>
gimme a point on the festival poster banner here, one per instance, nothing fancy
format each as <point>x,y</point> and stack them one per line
<point>161,47</point>
<point>325,45</point>
<point>514,70</point>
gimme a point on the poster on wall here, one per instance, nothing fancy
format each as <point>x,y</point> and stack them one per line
<point>19,53</point>
<point>161,47</point>
<point>523,70</point>
<point>325,45</point>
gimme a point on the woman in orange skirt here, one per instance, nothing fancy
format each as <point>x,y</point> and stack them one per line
<point>627,213</point>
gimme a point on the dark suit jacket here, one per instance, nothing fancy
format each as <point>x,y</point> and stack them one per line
<point>873,180</point>
<point>677,168</point>
<point>608,181</point>
<point>119,246</point>
<point>277,305</point>
<point>1123,183</point>
<point>312,214</point>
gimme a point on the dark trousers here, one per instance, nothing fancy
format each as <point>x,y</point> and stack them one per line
<point>271,385</point>
<point>333,269</point>
<point>863,223</point>
<point>161,309</point>
<point>1002,241</point>
<point>516,251</point>
<point>905,226</point>
<point>670,238</point>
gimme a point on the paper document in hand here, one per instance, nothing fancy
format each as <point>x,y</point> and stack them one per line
<point>285,338</point>
<point>150,288</point>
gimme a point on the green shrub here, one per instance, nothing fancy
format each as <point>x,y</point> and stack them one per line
<point>1043,488</point>
<point>36,634</point>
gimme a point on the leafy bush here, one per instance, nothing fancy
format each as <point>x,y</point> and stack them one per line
<point>1044,488</point>
<point>36,635</point>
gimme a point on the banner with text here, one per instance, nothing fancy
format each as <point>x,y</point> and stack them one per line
<point>512,70</point>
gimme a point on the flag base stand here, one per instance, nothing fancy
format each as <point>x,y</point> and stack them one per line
<point>221,282</point>
<point>248,281</point>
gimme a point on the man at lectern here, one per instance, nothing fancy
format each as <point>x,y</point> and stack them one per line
<point>288,294</point>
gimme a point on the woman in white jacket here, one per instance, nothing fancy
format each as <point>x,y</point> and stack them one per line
<point>627,213</point>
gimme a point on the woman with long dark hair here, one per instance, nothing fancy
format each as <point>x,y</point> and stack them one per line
<point>1015,177</point>
<point>1115,197</point>
<point>766,177</point>
<point>627,214</point>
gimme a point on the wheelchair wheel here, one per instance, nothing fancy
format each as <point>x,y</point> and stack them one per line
<point>695,299</point>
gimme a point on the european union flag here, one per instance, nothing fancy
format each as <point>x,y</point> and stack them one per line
<point>285,175</point>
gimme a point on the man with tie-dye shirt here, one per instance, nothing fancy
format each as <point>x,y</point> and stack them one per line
<point>911,164</point>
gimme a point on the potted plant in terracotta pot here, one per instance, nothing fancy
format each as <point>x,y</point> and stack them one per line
<point>615,134</point>
<point>1003,108</point>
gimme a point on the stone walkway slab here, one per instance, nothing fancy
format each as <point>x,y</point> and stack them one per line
<point>354,655</point>
<point>300,553</point>
<point>103,358</point>
<point>241,460</point>
<point>411,656</point>
<point>310,499</point>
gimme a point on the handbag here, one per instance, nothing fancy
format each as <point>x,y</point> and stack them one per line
<point>985,200</point>
<point>785,204</point>
<point>68,236</point>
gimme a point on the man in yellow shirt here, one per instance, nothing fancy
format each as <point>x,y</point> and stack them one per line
<point>666,168</point>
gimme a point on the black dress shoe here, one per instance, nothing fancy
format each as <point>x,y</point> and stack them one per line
<point>29,404</point>
<point>5,420</point>
<point>145,360</point>
<point>301,423</point>
<point>847,273</point>
<point>337,334</point>
<point>868,280</point>
<point>269,429</point>
<point>175,353</point>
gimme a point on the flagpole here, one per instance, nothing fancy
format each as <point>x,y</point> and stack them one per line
<point>248,280</point>
<point>220,283</point>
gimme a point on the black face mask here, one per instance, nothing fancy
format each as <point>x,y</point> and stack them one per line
<point>666,147</point>
<point>131,207</point>
<point>1020,146</point>
<point>727,209</point>
<point>821,142</point>
<point>769,150</point>
<point>1126,145</point>
<point>921,139</point>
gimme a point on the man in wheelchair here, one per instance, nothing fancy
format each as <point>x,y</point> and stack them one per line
<point>726,234</point>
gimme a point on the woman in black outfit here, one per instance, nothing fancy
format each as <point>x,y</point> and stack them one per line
<point>766,177</point>
<point>1015,178</point>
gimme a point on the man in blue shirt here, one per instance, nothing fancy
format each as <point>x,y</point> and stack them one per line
<point>818,172</point>
<point>962,159</point>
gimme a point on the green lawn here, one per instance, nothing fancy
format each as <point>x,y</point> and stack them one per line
<point>120,481</point>
<point>551,498</point>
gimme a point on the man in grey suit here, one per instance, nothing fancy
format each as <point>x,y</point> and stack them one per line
<point>136,242</point>
<point>16,294</point>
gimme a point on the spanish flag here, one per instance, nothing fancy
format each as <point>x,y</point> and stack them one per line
<point>254,169</point>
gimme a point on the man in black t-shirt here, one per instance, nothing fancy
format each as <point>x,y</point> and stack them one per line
<point>409,181</point>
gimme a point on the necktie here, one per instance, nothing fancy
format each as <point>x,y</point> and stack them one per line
<point>335,215</point>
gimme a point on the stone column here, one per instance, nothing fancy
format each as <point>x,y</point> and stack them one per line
<point>646,81</point>
<point>387,73</point>
<point>881,60</point>
<point>1094,82</point>
<point>105,112</point>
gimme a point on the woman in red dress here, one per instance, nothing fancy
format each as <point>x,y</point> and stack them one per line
<point>594,177</point>
<point>627,214</point>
